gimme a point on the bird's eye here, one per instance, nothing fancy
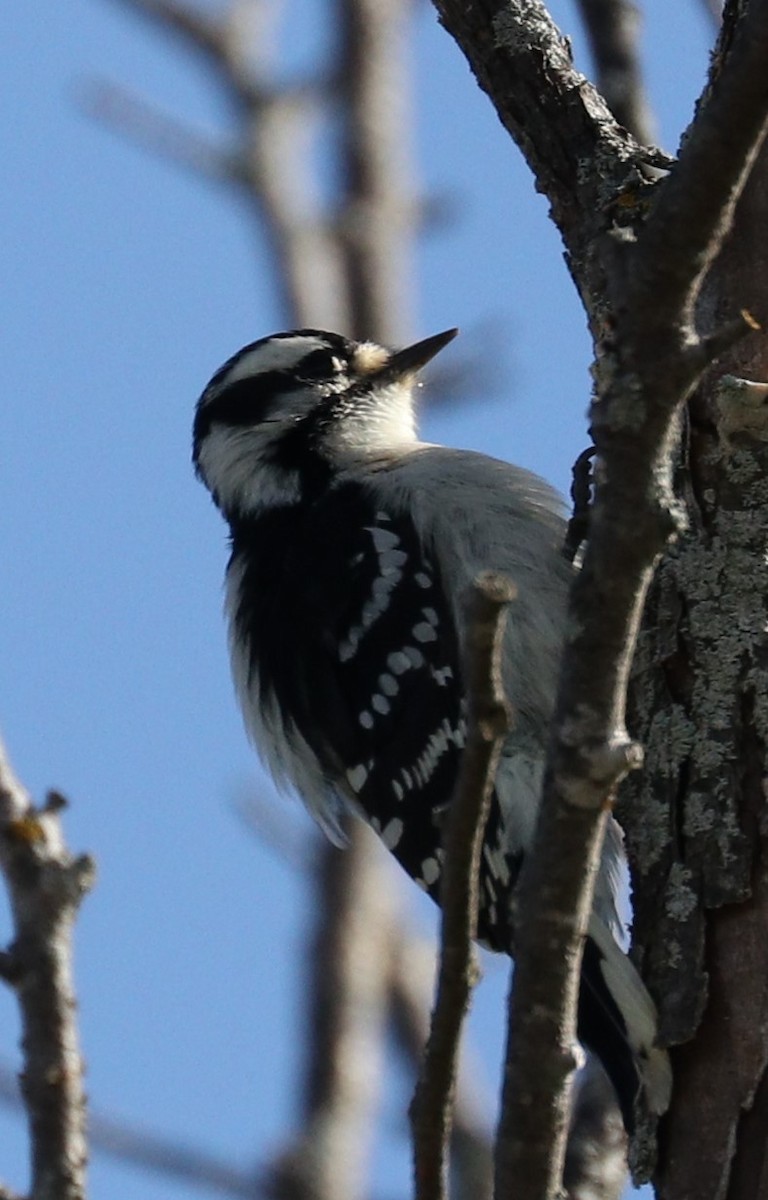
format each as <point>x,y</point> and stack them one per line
<point>321,364</point>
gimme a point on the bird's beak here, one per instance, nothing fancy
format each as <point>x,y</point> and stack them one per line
<point>411,360</point>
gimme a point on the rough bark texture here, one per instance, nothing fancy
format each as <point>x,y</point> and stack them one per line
<point>696,819</point>
<point>590,168</point>
<point>46,885</point>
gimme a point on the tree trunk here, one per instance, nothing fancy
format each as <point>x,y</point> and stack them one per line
<point>696,818</point>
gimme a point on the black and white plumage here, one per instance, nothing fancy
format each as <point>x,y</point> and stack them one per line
<point>352,545</point>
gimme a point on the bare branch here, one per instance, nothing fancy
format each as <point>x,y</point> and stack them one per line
<point>149,1151</point>
<point>612,28</point>
<point>271,160</point>
<point>695,205</point>
<point>488,722</point>
<point>138,120</point>
<point>183,20</point>
<point>285,194</point>
<point>377,223</point>
<point>358,911</point>
<point>278,829</point>
<point>581,157</point>
<point>45,885</point>
<point>412,989</point>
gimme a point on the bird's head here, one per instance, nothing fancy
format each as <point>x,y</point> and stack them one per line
<point>287,409</point>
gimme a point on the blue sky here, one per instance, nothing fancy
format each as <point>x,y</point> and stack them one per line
<point>126,283</point>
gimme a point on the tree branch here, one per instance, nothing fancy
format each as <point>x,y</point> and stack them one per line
<point>694,206</point>
<point>612,28</point>
<point>379,214</point>
<point>271,160</point>
<point>582,159</point>
<point>358,909</point>
<point>412,990</point>
<point>150,1151</point>
<point>488,722</point>
<point>45,886</point>
<point>160,134</point>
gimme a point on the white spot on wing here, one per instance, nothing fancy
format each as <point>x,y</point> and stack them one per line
<point>430,871</point>
<point>424,632</point>
<point>357,776</point>
<point>392,559</point>
<point>399,662</point>
<point>498,864</point>
<point>383,585</point>
<point>383,539</point>
<point>389,685</point>
<point>391,833</point>
<point>347,650</point>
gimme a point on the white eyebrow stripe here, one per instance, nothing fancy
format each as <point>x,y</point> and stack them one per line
<point>280,354</point>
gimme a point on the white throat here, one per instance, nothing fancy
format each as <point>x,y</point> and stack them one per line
<point>383,421</point>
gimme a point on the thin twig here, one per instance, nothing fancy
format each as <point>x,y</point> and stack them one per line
<point>358,910</point>
<point>183,20</point>
<point>150,1151</point>
<point>278,829</point>
<point>488,722</point>
<point>45,886</point>
<point>272,158</point>
<point>412,990</point>
<point>170,139</point>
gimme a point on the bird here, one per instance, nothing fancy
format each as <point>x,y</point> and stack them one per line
<point>352,545</point>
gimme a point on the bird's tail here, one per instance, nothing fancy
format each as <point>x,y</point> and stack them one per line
<point>617,1021</point>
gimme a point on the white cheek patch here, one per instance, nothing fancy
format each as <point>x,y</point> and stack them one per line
<point>232,465</point>
<point>278,354</point>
